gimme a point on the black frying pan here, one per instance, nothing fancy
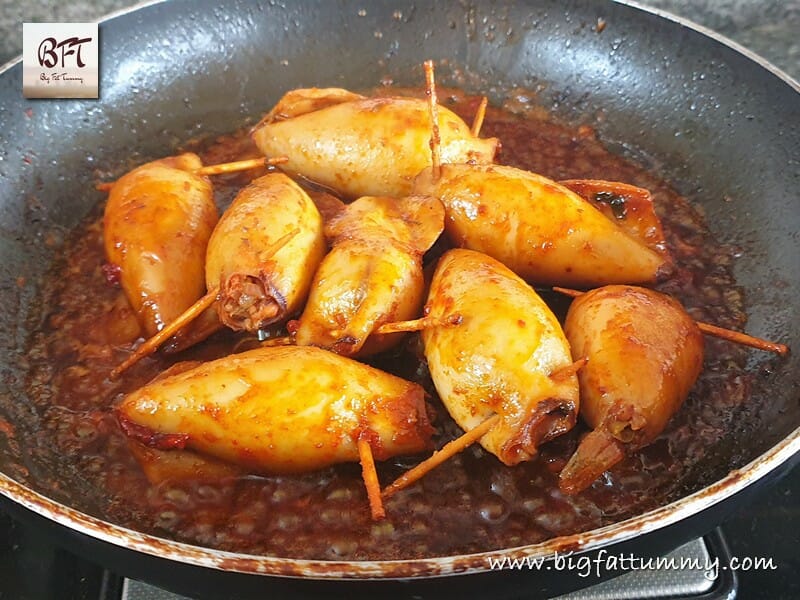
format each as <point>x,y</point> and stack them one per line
<point>717,123</point>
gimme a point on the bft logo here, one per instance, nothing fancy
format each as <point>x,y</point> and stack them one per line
<point>48,57</point>
<point>60,60</point>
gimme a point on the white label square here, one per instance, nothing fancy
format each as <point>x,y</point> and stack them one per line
<point>60,60</point>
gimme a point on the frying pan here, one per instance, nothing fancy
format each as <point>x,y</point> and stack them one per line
<point>718,124</point>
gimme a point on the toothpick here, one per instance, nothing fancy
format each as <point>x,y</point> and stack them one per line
<point>370,476</point>
<point>477,122</point>
<point>419,324</point>
<point>716,331</point>
<point>151,345</point>
<point>435,142</point>
<point>220,169</point>
<point>437,458</point>
<point>239,165</point>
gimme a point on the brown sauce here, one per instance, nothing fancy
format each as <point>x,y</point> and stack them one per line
<point>471,503</point>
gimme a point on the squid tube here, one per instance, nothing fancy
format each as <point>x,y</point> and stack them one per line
<point>373,274</point>
<point>280,410</point>
<point>363,146</point>
<point>644,353</point>
<point>541,230</point>
<point>263,253</point>
<point>502,358</point>
<point>157,224</point>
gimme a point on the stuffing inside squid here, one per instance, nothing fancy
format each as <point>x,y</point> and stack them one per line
<point>507,356</point>
<point>540,229</point>
<point>372,275</point>
<point>157,224</point>
<point>362,146</point>
<point>263,253</point>
<point>644,354</point>
<point>280,410</point>
<point>259,263</point>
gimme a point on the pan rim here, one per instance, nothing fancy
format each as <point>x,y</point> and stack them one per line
<point>464,564</point>
<point>664,14</point>
<point>717,37</point>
